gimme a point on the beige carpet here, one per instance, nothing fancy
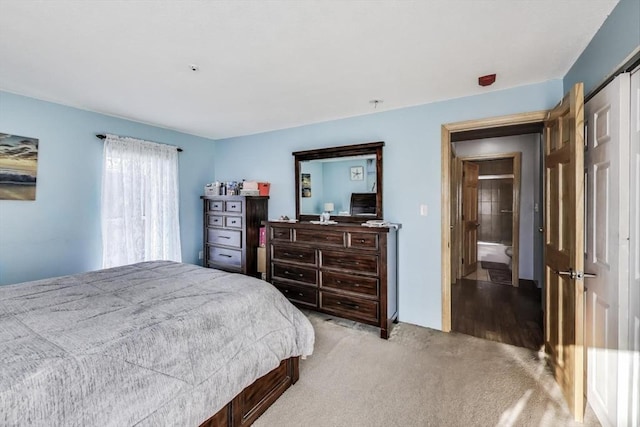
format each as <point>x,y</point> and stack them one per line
<point>419,377</point>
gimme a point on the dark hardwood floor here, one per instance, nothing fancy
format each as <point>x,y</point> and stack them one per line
<point>498,312</point>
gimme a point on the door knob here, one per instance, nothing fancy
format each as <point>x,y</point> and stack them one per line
<point>541,230</point>
<point>586,275</point>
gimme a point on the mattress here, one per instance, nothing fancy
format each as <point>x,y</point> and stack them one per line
<point>154,343</point>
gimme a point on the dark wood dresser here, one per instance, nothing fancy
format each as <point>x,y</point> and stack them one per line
<point>232,232</point>
<point>346,269</point>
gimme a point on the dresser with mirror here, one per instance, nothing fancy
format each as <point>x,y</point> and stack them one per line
<point>337,266</point>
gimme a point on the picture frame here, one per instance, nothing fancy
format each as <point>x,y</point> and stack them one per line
<point>18,167</point>
<point>306,184</point>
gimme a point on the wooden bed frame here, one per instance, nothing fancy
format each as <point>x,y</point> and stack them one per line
<point>254,400</point>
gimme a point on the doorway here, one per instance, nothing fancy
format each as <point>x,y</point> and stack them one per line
<point>489,299</point>
<point>488,211</point>
<point>516,124</point>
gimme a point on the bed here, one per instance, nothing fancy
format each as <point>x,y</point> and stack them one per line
<point>154,343</point>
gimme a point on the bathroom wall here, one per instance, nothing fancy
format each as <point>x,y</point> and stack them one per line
<point>495,210</point>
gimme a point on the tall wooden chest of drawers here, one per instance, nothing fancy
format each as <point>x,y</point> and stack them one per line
<point>345,270</point>
<point>232,232</point>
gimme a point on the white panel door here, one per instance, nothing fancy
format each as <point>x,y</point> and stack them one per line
<point>630,381</point>
<point>606,247</point>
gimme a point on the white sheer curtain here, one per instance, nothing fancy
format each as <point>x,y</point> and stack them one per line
<point>140,218</point>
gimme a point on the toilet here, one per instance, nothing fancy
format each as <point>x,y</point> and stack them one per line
<point>509,252</point>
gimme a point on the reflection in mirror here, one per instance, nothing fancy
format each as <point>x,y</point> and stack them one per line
<point>330,183</point>
<point>341,183</point>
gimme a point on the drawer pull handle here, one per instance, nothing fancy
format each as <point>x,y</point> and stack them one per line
<point>300,294</point>
<point>225,237</point>
<point>233,206</point>
<point>348,304</point>
<point>362,240</point>
<point>225,255</point>
<point>357,285</point>
<point>288,273</point>
<point>293,255</point>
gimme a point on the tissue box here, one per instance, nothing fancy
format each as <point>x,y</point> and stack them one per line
<point>264,188</point>
<point>249,185</point>
<point>211,190</point>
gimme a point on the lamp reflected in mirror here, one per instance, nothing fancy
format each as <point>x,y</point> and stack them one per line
<point>328,207</point>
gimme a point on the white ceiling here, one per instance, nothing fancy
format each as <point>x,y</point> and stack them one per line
<point>268,65</point>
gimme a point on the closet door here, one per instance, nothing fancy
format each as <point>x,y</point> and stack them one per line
<point>606,244</point>
<point>630,369</point>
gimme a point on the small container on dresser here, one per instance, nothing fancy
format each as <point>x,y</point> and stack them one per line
<point>345,269</point>
<point>232,232</point>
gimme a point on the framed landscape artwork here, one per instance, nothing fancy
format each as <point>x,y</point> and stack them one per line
<point>306,185</point>
<point>18,167</point>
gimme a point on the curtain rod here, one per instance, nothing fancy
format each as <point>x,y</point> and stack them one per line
<point>103,136</point>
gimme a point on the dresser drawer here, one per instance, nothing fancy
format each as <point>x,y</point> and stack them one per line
<point>233,206</point>
<point>215,205</point>
<point>349,307</point>
<point>362,240</point>
<point>345,282</point>
<point>225,237</point>
<point>320,237</point>
<point>290,272</point>
<point>215,221</point>
<point>225,256</point>
<point>300,294</point>
<point>290,253</point>
<point>362,263</point>
<point>280,233</point>
<point>233,221</point>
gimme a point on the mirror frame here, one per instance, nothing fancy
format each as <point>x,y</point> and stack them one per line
<point>337,152</point>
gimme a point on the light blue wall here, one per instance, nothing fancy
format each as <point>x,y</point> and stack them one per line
<point>59,232</point>
<point>411,174</point>
<point>338,185</point>
<point>614,41</point>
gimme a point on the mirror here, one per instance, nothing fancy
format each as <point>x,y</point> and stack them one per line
<point>344,181</point>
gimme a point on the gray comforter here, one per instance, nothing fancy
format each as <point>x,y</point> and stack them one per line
<point>155,343</point>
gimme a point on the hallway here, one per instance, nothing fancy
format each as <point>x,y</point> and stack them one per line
<point>498,312</point>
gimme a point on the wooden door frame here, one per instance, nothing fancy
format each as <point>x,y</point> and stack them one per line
<point>516,161</point>
<point>445,203</point>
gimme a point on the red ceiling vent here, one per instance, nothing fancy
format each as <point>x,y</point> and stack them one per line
<point>487,80</point>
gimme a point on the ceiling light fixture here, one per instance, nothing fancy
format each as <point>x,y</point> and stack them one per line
<point>375,102</point>
<point>194,67</point>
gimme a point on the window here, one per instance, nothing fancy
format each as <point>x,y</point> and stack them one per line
<point>140,217</point>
